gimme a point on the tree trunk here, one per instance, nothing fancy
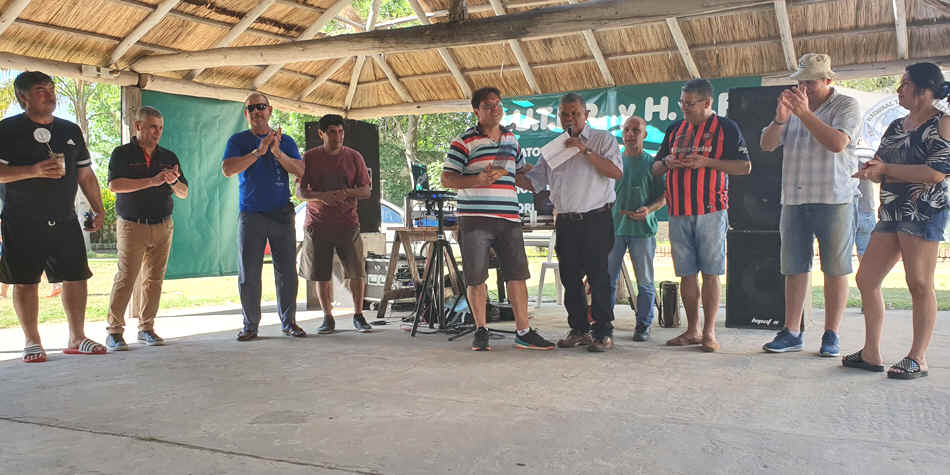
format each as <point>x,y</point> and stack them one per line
<point>410,142</point>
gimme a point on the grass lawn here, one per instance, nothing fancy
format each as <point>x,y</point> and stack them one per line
<point>216,291</point>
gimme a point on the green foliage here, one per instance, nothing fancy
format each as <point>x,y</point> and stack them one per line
<point>7,93</point>
<point>105,126</point>
<point>107,233</point>
<point>879,84</point>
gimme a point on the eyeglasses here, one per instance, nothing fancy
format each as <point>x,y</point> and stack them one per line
<point>487,106</point>
<point>260,107</point>
<point>691,104</point>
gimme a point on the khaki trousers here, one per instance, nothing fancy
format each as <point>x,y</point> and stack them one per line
<point>143,255</point>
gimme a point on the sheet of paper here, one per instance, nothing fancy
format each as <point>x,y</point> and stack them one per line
<point>555,153</point>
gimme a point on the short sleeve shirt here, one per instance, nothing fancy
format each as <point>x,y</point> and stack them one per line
<point>914,202</point>
<point>576,186</point>
<point>326,172</point>
<point>810,172</point>
<point>129,161</point>
<point>264,186</point>
<point>41,197</point>
<point>638,187</point>
<point>692,192</point>
<point>469,154</point>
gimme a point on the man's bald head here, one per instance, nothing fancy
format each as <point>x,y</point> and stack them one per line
<point>633,133</point>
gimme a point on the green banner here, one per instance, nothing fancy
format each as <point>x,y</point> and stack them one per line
<point>536,122</point>
<point>205,239</point>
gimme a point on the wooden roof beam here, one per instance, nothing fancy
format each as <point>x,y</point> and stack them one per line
<point>393,79</point>
<point>139,31</point>
<point>597,53</point>
<point>785,32</point>
<point>541,22</point>
<point>323,77</point>
<point>12,11</point>
<point>900,24</point>
<point>683,47</point>
<point>515,46</point>
<point>471,9</point>
<point>360,60</point>
<point>236,30</point>
<point>308,34</point>
<point>447,57</point>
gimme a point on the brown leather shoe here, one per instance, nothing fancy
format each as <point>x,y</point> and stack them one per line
<point>574,339</point>
<point>600,345</point>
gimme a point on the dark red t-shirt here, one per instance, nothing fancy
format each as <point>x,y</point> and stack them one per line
<point>327,172</point>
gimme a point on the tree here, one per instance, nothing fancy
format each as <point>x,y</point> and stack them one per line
<point>7,93</point>
<point>98,111</point>
<point>878,84</point>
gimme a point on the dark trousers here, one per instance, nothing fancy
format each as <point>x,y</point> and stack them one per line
<point>254,231</point>
<point>582,247</point>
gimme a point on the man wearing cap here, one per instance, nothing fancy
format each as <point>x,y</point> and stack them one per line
<point>43,161</point>
<point>582,189</point>
<point>144,176</point>
<point>816,126</point>
<point>263,158</point>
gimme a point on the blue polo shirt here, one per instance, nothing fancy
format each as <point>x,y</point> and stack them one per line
<point>264,186</point>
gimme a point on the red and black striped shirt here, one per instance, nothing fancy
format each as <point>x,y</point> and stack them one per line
<point>691,192</point>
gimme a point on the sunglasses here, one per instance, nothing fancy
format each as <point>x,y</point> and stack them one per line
<point>260,107</point>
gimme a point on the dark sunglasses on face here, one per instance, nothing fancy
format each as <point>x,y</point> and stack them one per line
<point>260,107</point>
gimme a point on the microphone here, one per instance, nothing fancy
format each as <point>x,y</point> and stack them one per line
<point>570,131</point>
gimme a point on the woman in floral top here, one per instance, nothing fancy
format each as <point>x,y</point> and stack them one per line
<point>911,164</point>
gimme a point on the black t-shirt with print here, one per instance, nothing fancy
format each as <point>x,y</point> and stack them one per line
<point>41,197</point>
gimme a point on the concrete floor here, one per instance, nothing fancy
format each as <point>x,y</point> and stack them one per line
<point>385,403</point>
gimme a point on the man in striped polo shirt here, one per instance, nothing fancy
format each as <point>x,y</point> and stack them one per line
<point>481,164</point>
<point>699,152</point>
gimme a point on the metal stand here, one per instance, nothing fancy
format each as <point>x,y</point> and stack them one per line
<point>430,302</point>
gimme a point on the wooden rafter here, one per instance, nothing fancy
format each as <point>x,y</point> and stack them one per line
<point>597,54</point>
<point>361,60</point>
<point>139,31</point>
<point>900,24</point>
<point>246,21</point>
<point>682,46</point>
<point>12,11</point>
<point>515,46</point>
<point>393,79</point>
<point>447,57</point>
<point>308,34</point>
<point>323,77</point>
<point>785,32</point>
<point>531,24</point>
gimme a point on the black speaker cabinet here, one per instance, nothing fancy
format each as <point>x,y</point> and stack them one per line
<point>754,199</point>
<point>364,138</point>
<point>755,287</point>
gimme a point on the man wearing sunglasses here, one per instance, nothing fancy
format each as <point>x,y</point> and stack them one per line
<point>263,158</point>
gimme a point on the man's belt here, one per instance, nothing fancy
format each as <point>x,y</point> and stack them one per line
<point>147,219</point>
<point>585,214</point>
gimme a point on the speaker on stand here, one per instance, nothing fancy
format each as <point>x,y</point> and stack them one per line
<point>755,287</point>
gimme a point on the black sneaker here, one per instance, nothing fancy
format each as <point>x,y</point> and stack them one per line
<point>115,342</point>
<point>359,323</point>
<point>150,338</point>
<point>328,327</point>
<point>480,342</point>
<point>641,333</point>
<point>246,335</point>
<point>532,341</point>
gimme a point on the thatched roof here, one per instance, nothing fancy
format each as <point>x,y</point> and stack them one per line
<point>864,37</point>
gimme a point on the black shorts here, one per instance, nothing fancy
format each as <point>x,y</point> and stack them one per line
<point>31,246</point>
<point>478,234</point>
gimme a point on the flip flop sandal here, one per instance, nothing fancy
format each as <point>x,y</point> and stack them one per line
<point>683,341</point>
<point>908,368</point>
<point>32,350</point>
<point>86,347</point>
<point>854,360</point>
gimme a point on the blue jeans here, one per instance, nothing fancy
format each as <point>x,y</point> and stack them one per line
<point>642,250</point>
<point>254,231</point>
<point>863,225</point>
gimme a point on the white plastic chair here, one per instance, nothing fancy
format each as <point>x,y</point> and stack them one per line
<point>550,263</point>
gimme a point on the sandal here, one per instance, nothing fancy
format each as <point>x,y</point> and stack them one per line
<point>86,347</point>
<point>907,368</point>
<point>684,340</point>
<point>854,360</point>
<point>34,354</point>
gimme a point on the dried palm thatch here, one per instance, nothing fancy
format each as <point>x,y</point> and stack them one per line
<point>732,42</point>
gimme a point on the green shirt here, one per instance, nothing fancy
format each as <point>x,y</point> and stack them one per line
<point>637,188</point>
